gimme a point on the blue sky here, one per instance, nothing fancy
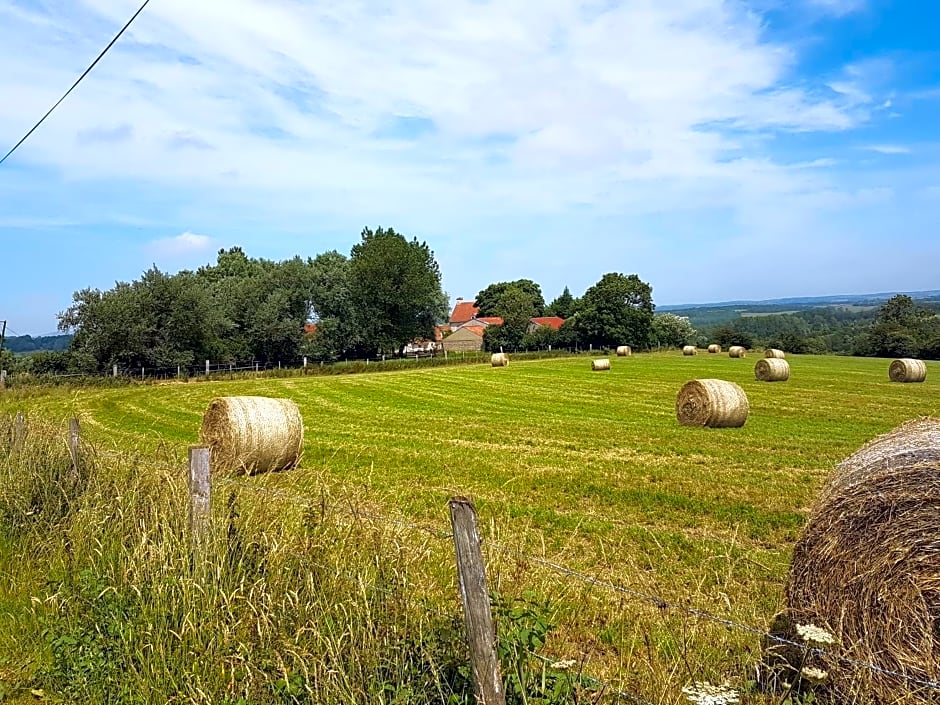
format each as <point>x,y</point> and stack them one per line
<point>720,150</point>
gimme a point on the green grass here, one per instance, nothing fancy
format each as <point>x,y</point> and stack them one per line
<point>588,469</point>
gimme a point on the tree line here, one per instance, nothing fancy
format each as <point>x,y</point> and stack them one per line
<point>387,293</point>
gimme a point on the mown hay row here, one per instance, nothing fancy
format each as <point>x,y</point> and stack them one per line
<point>867,568</point>
<point>249,434</point>
<point>712,402</point>
<point>907,370</point>
<point>772,369</point>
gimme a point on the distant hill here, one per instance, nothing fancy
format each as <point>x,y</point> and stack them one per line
<point>23,344</point>
<point>812,301</point>
<point>724,311</point>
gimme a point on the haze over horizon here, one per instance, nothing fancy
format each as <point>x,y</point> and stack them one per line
<point>720,150</point>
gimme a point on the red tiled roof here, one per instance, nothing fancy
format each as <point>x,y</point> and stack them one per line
<point>463,312</point>
<point>439,332</point>
<point>491,320</point>
<point>476,330</point>
<point>553,322</point>
<point>310,328</point>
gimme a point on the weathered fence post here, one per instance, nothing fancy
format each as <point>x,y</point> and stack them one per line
<point>114,370</point>
<point>74,438</point>
<point>141,372</point>
<point>3,379</point>
<point>207,368</point>
<point>200,490</point>
<point>305,362</point>
<point>19,431</point>
<point>256,367</point>
<point>471,573</point>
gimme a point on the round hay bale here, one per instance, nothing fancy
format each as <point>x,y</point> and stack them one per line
<point>253,434</point>
<point>867,568</point>
<point>624,351</point>
<point>908,370</point>
<point>737,351</point>
<point>772,369</point>
<point>689,350</point>
<point>714,348</point>
<point>602,364</point>
<point>774,352</point>
<point>712,402</point>
<point>499,359</point>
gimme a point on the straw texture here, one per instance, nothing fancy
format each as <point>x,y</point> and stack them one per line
<point>602,364</point>
<point>774,352</point>
<point>736,351</point>
<point>867,567</point>
<point>714,348</point>
<point>499,359</point>
<point>772,369</point>
<point>624,351</point>
<point>689,350</point>
<point>907,370</point>
<point>712,402</point>
<point>253,434</point>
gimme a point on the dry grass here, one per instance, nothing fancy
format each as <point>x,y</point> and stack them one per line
<point>772,369</point>
<point>867,567</point>
<point>249,434</point>
<point>601,364</point>
<point>907,370</point>
<point>714,403</point>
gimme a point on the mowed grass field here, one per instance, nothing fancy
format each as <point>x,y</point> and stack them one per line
<point>590,470</point>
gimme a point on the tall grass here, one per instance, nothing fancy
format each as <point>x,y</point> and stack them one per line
<point>109,599</point>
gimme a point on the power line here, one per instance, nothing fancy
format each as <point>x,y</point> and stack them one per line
<point>79,80</point>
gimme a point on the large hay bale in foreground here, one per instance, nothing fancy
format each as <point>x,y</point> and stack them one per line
<point>772,369</point>
<point>908,370</point>
<point>867,568</point>
<point>499,359</point>
<point>624,351</point>
<point>736,351</point>
<point>712,402</point>
<point>689,350</point>
<point>602,364</point>
<point>774,352</point>
<point>714,348</point>
<point>253,434</point>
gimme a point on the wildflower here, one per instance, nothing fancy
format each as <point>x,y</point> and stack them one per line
<point>812,634</point>
<point>814,675</point>
<point>708,694</point>
<point>564,664</point>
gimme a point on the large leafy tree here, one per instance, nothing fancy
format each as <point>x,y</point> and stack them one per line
<point>617,310</point>
<point>902,329</point>
<point>395,289</point>
<point>488,300</point>
<point>563,306</point>
<point>672,331</point>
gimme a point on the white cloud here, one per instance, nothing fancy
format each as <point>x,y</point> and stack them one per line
<point>277,103</point>
<point>888,148</point>
<point>183,244</point>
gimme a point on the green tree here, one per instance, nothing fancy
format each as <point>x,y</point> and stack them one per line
<point>902,329</point>
<point>395,288</point>
<point>338,330</point>
<point>618,310</point>
<point>563,306</point>
<point>488,300</point>
<point>672,331</point>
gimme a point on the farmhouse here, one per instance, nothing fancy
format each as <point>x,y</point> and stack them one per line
<point>468,328</point>
<point>553,322</point>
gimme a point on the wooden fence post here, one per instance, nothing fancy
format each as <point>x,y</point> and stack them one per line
<point>471,572</point>
<point>74,438</point>
<point>207,368</point>
<point>19,431</point>
<point>3,379</point>
<point>114,370</point>
<point>200,491</point>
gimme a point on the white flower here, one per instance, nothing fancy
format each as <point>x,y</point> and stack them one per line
<point>814,675</point>
<point>812,634</point>
<point>708,694</point>
<point>564,664</point>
